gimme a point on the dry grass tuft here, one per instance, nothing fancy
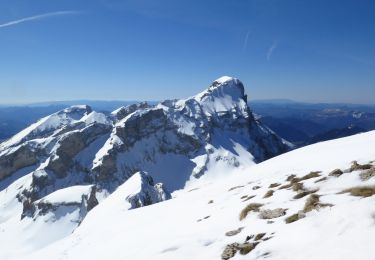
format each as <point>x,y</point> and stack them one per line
<point>259,236</point>
<point>310,175</point>
<point>249,208</point>
<point>248,198</point>
<point>363,191</point>
<point>295,182</point>
<point>285,186</point>
<point>297,186</point>
<point>268,194</point>
<point>321,179</point>
<point>304,193</point>
<point>312,203</point>
<point>294,217</point>
<point>236,187</point>
<point>274,185</point>
<point>246,248</point>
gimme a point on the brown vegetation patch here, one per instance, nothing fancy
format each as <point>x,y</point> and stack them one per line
<point>304,193</point>
<point>321,179</point>
<point>248,198</point>
<point>313,202</point>
<point>246,248</point>
<point>294,217</point>
<point>259,236</point>
<point>310,175</point>
<point>285,186</point>
<point>249,208</point>
<point>363,191</point>
<point>297,186</point>
<point>236,187</point>
<point>268,194</point>
<point>295,182</point>
<point>274,185</point>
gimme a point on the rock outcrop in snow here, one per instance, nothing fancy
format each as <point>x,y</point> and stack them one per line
<point>147,192</point>
<point>62,202</point>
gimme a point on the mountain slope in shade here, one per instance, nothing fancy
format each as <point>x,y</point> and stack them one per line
<point>311,203</point>
<point>53,173</point>
<point>337,133</point>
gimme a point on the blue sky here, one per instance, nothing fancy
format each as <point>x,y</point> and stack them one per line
<point>316,51</point>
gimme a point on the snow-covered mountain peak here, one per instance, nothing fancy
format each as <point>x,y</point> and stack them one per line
<point>224,79</point>
<point>91,155</point>
<point>223,99</point>
<point>49,125</point>
<point>225,95</point>
<point>76,111</point>
<point>227,86</point>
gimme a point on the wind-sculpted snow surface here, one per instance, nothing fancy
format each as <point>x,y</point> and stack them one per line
<point>176,142</point>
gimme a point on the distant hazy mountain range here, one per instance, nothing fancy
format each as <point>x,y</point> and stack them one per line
<point>305,123</point>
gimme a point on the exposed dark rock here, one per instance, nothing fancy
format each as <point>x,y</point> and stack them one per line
<point>149,193</point>
<point>92,201</point>
<point>336,173</point>
<point>21,157</point>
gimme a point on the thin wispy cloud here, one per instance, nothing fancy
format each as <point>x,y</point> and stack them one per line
<point>246,40</point>
<point>37,17</point>
<point>271,50</point>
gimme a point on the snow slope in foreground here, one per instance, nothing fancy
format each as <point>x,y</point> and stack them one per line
<point>191,226</point>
